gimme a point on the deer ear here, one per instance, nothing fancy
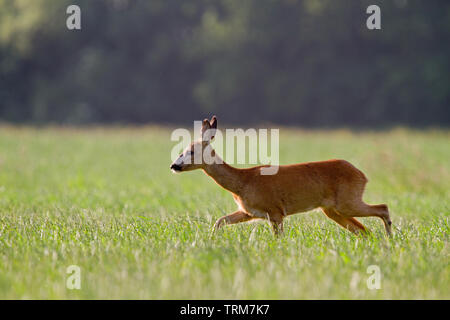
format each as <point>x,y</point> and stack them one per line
<point>213,127</point>
<point>205,126</point>
<point>205,131</point>
<point>213,122</point>
<point>209,129</point>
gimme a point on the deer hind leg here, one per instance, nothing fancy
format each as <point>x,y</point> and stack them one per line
<point>349,203</point>
<point>385,216</point>
<point>348,223</point>
<point>235,217</point>
<point>361,209</point>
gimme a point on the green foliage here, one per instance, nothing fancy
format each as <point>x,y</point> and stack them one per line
<point>310,62</point>
<point>105,200</point>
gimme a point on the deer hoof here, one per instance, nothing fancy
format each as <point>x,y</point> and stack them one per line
<point>219,223</point>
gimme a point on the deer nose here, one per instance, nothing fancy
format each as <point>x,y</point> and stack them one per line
<point>175,167</point>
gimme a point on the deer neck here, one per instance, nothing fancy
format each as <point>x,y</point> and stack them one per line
<point>226,176</point>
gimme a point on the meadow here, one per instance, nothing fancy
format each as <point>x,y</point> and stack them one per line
<point>105,200</point>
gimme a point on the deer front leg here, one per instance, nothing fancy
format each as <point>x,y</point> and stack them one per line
<point>235,217</point>
<point>276,220</point>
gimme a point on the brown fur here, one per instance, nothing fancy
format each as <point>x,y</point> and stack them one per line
<point>335,186</point>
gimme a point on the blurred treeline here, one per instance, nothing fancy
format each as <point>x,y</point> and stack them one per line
<point>309,63</point>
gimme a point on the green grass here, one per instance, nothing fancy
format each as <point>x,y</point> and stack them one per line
<point>105,200</point>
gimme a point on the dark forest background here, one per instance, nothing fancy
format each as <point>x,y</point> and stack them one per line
<point>307,63</point>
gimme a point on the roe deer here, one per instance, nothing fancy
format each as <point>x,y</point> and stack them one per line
<point>335,186</point>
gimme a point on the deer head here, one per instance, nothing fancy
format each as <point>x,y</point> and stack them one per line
<point>199,153</point>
